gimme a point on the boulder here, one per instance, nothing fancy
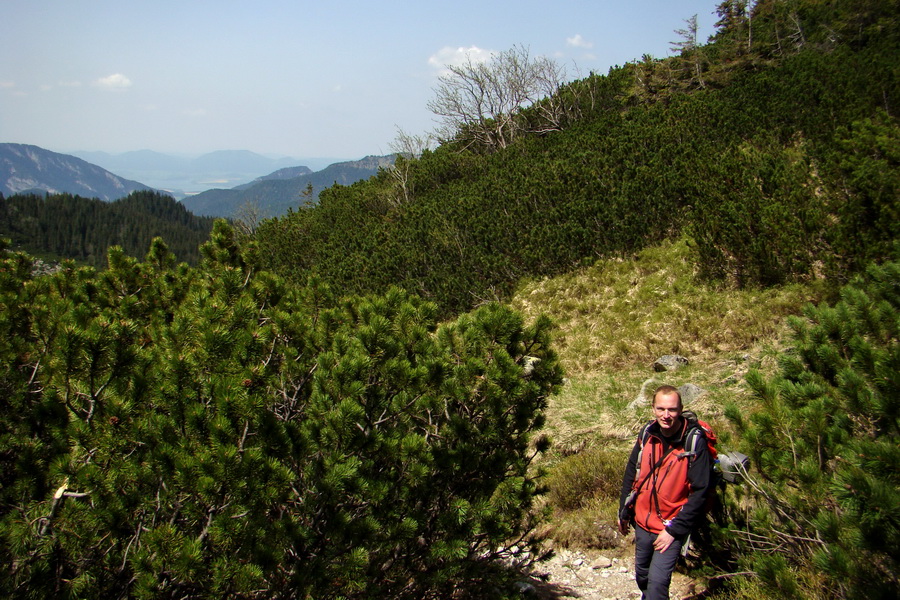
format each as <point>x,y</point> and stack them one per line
<point>644,396</point>
<point>669,362</point>
<point>690,392</point>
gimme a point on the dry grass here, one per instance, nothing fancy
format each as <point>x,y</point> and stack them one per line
<point>618,316</point>
<point>625,313</point>
<point>587,527</point>
<point>595,473</point>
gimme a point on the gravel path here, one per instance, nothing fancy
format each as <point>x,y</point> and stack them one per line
<point>595,576</point>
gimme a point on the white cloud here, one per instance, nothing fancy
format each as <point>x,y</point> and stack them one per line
<point>456,57</point>
<point>115,82</point>
<point>69,84</point>
<point>11,88</point>
<point>194,112</point>
<point>579,42</point>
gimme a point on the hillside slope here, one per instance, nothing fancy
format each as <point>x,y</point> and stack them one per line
<point>30,169</point>
<point>63,226</point>
<point>274,194</point>
<point>798,377</point>
<point>614,318</point>
<point>778,159</point>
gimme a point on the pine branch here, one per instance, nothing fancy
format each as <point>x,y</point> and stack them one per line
<point>61,493</point>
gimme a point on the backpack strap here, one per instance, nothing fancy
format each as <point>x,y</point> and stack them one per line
<point>693,438</point>
<point>642,440</point>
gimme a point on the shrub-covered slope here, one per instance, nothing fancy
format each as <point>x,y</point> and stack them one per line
<point>168,432</point>
<point>778,156</point>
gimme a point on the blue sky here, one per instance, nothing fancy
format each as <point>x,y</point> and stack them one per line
<point>331,78</point>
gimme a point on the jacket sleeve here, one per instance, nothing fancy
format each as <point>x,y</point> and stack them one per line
<point>698,477</point>
<point>630,471</point>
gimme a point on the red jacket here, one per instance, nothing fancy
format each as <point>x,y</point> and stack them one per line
<point>672,495</point>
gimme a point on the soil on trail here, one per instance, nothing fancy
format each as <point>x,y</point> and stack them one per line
<point>595,575</point>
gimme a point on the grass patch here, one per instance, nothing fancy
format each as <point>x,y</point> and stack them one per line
<point>589,527</point>
<point>613,320</point>
<point>625,313</point>
<point>593,474</point>
<point>618,316</point>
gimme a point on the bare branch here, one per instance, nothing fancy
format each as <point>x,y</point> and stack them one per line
<point>248,216</point>
<point>407,147</point>
<point>482,101</point>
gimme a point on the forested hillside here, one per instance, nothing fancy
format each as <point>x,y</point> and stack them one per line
<point>774,147</point>
<point>63,226</point>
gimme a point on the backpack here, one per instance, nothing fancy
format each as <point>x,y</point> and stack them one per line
<point>727,467</point>
<point>698,432</point>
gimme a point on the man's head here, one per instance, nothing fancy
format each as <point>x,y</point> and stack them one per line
<point>667,408</point>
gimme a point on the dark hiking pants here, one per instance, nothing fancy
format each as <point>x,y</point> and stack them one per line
<point>652,569</point>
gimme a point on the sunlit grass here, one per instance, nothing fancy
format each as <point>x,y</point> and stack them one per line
<point>618,316</point>
<point>626,313</point>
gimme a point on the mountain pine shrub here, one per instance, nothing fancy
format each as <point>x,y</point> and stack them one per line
<point>206,433</point>
<point>826,482</point>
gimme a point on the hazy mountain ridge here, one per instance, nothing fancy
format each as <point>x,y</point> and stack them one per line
<point>181,176</point>
<point>27,168</point>
<point>280,174</point>
<point>31,169</point>
<point>274,195</point>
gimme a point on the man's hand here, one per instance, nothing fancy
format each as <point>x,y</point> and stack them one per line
<point>623,527</point>
<point>663,541</point>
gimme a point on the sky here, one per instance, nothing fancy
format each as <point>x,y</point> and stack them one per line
<point>324,78</point>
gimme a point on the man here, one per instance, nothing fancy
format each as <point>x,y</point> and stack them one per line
<point>670,485</point>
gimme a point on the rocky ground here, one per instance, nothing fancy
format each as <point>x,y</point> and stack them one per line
<point>597,575</point>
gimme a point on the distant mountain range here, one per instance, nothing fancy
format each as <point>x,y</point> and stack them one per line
<point>30,169</point>
<point>280,174</point>
<point>274,194</point>
<point>182,176</point>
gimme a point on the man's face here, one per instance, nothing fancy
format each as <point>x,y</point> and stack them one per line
<point>667,410</point>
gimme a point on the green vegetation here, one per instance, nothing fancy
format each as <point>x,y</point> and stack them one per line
<point>62,226</point>
<point>780,162</point>
<point>333,405</point>
<point>613,320</point>
<point>812,400</point>
<point>210,433</point>
<point>826,489</point>
<point>616,317</point>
